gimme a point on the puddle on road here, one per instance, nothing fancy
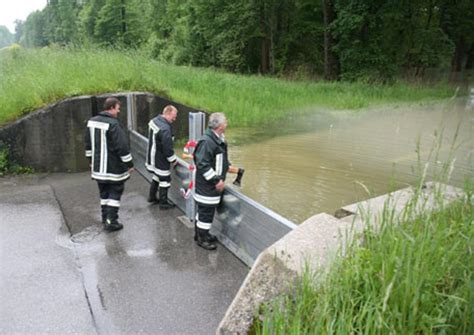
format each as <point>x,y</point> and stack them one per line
<point>141,253</point>
<point>87,234</point>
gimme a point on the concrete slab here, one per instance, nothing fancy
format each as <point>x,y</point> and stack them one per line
<point>429,198</point>
<point>149,278</point>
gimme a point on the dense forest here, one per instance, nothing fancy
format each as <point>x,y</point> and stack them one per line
<point>369,40</point>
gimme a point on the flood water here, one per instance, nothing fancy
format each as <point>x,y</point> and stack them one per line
<point>319,163</point>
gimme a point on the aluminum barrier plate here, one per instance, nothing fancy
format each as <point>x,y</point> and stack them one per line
<point>242,225</point>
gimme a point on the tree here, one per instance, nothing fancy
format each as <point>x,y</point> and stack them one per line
<point>87,19</point>
<point>19,30</point>
<point>6,37</point>
<point>457,22</point>
<point>331,62</point>
<point>118,24</point>
<point>61,21</point>
<point>33,31</point>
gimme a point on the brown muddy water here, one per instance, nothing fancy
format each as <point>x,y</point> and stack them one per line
<point>319,163</point>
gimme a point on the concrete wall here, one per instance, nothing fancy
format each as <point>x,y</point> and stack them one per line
<point>52,138</point>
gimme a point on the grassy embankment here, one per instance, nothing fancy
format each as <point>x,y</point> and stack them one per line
<point>413,276</point>
<point>30,79</point>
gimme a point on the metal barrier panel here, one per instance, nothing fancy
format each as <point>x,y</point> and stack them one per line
<point>244,226</point>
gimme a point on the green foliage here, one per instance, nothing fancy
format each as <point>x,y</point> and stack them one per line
<point>108,26</point>
<point>6,38</point>
<point>61,17</point>
<point>8,166</point>
<point>34,31</point>
<point>87,19</point>
<point>3,161</point>
<point>379,39</point>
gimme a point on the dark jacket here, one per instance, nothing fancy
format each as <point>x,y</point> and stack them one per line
<point>212,164</point>
<point>108,149</point>
<point>160,153</point>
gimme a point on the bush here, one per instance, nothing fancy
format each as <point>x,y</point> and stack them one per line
<point>3,160</point>
<point>7,165</point>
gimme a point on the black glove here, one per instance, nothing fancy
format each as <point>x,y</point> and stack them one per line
<point>238,179</point>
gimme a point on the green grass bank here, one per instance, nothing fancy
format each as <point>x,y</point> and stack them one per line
<point>32,78</point>
<point>411,277</point>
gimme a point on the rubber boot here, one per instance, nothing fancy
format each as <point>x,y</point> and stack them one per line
<point>104,211</point>
<point>212,238</point>
<point>111,223</point>
<point>203,239</point>
<point>165,203</point>
<point>152,195</point>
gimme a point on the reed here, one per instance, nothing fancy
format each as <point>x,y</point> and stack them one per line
<point>33,78</point>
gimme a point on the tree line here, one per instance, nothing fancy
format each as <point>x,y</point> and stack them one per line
<point>331,39</point>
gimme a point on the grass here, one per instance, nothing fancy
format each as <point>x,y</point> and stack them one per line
<point>412,275</point>
<point>33,78</point>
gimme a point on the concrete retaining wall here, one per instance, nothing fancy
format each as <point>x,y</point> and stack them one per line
<point>52,138</point>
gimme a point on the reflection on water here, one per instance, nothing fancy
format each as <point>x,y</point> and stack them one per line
<point>321,163</point>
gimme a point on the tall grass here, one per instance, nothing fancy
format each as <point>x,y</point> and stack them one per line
<point>30,79</point>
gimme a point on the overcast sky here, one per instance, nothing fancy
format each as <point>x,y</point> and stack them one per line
<point>11,10</point>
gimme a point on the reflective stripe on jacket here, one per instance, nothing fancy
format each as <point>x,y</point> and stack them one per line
<point>212,164</point>
<point>108,149</point>
<point>160,153</point>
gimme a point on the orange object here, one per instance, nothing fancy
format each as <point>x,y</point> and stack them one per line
<point>233,169</point>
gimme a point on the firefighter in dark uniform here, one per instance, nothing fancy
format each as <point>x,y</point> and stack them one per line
<point>212,164</point>
<point>110,160</point>
<point>160,156</point>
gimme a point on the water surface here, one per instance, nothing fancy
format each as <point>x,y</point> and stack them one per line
<point>316,164</point>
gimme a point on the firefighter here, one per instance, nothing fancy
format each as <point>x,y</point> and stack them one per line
<point>110,160</point>
<point>212,165</point>
<point>160,156</point>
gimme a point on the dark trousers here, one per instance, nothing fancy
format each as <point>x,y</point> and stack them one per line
<point>110,195</point>
<point>163,181</point>
<point>205,216</point>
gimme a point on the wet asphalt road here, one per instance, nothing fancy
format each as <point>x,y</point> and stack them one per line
<point>61,273</point>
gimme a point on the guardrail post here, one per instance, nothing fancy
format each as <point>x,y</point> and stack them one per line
<point>131,113</point>
<point>197,124</point>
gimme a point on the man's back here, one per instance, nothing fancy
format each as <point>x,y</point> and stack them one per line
<point>108,148</point>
